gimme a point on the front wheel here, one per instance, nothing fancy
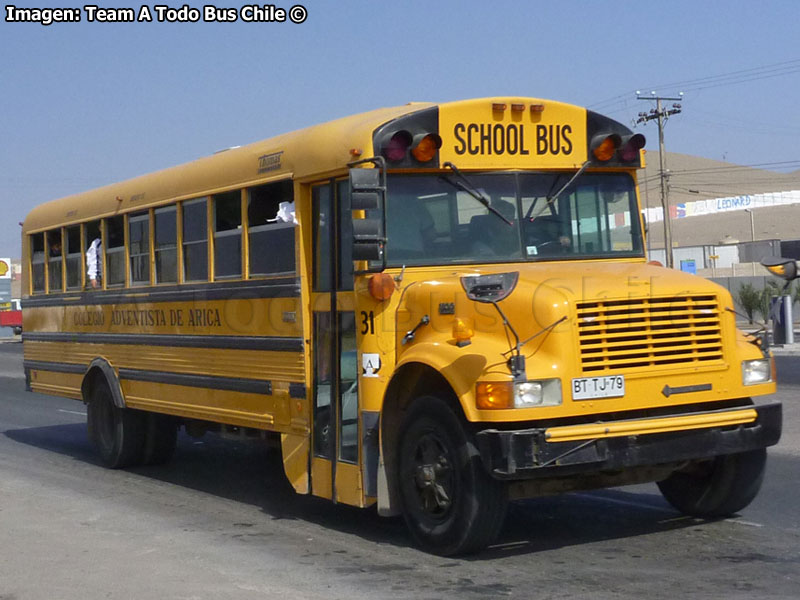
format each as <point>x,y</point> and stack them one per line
<point>450,504</point>
<point>718,487</point>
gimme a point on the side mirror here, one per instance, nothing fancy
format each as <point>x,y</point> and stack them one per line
<point>368,193</point>
<point>367,239</point>
<point>366,189</point>
<point>785,268</point>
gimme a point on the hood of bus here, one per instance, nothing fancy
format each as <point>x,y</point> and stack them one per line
<point>544,294</point>
<point>577,320</point>
<point>574,319</point>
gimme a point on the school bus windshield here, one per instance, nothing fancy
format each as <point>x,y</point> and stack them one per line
<point>432,220</point>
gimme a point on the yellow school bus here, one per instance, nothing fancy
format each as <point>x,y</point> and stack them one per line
<point>433,308</point>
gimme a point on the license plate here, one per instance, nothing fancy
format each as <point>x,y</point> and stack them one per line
<point>609,386</point>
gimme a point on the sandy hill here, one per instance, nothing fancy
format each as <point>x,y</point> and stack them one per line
<point>693,178</point>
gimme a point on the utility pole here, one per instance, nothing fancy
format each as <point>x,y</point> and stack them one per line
<point>661,115</point>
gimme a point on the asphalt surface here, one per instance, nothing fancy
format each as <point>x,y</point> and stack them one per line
<point>220,522</point>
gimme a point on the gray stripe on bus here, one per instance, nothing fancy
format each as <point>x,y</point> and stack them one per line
<point>279,288</point>
<point>234,384</point>
<point>231,342</point>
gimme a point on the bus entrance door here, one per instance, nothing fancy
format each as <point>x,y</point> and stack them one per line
<point>335,471</point>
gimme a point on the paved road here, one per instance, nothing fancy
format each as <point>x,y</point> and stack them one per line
<point>220,522</point>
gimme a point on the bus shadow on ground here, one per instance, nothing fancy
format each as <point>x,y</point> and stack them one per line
<point>246,472</point>
<point>252,473</point>
<point>580,518</point>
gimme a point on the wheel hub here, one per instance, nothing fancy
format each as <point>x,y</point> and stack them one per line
<point>432,478</point>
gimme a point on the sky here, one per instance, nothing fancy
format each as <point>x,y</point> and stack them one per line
<point>87,104</point>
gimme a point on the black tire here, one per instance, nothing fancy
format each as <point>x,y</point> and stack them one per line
<point>449,502</point>
<point>160,438</point>
<point>117,433</point>
<point>719,487</point>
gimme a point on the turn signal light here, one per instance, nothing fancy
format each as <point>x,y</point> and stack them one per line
<point>494,394</point>
<point>425,146</point>
<point>381,286</point>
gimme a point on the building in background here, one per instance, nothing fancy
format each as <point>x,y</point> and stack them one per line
<point>709,201</point>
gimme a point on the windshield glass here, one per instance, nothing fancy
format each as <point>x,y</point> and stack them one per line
<point>430,220</point>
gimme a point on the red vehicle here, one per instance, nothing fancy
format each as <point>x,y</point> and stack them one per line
<point>11,318</point>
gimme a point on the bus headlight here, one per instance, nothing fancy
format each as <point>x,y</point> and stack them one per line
<point>756,371</point>
<point>527,394</point>
<point>545,392</point>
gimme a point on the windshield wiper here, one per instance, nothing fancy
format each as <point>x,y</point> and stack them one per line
<point>464,185</point>
<point>553,197</point>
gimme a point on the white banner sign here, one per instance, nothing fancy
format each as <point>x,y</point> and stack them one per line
<point>719,205</point>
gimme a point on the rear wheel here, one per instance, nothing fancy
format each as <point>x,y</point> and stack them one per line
<point>117,433</point>
<point>450,504</point>
<point>718,487</point>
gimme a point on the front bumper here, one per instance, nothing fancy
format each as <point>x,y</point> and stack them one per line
<point>613,445</point>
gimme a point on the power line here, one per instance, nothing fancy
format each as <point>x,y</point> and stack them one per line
<point>741,76</point>
<point>730,167</point>
<point>751,125</point>
<point>730,78</point>
<point>690,180</point>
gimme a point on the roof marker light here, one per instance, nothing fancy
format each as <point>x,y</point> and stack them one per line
<point>499,106</point>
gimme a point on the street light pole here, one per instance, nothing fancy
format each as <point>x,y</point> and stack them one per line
<point>752,237</point>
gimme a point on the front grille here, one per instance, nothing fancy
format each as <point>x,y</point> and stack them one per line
<point>650,332</point>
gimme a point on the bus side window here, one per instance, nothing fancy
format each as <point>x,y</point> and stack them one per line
<point>345,273</point>
<point>55,252</point>
<point>322,207</point>
<point>139,241</point>
<point>228,235</point>
<point>115,250</point>
<point>37,262</point>
<point>74,261</point>
<point>166,244</point>
<point>195,240</point>
<point>271,228</point>
<point>92,240</point>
